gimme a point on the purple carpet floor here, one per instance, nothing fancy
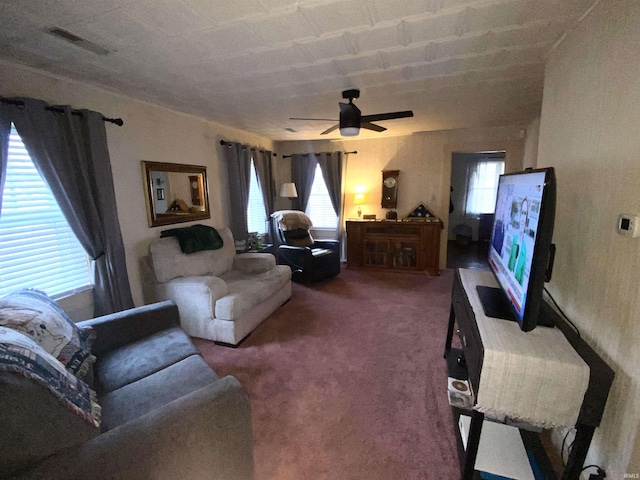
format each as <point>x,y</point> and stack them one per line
<point>347,380</point>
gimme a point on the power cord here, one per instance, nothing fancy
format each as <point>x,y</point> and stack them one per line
<point>601,475</point>
<point>562,447</point>
<point>573,325</point>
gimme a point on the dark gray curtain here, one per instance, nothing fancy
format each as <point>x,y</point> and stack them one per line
<point>331,166</point>
<point>238,167</point>
<point>303,171</point>
<point>334,168</point>
<point>264,170</point>
<point>5,129</point>
<point>71,154</point>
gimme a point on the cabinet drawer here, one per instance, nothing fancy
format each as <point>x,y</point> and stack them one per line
<point>393,229</point>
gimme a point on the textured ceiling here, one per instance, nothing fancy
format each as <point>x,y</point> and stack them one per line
<point>252,64</point>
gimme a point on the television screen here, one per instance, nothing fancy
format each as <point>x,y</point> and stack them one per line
<point>521,242</point>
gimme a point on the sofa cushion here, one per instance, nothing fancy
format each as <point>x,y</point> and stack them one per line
<point>36,315</point>
<point>169,262</point>
<point>158,389</point>
<point>246,290</point>
<point>43,406</point>
<point>136,360</point>
<point>254,262</point>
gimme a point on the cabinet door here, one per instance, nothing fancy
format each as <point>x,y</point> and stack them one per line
<point>376,252</point>
<point>405,254</point>
<point>354,244</point>
<point>431,248</point>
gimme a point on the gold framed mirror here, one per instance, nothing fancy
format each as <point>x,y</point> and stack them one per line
<point>175,193</point>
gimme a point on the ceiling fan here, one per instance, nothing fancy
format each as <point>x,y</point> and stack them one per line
<point>352,120</point>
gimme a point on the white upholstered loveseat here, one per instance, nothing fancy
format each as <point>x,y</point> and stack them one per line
<point>221,296</point>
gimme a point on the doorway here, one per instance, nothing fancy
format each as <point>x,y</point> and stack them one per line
<point>474,181</point>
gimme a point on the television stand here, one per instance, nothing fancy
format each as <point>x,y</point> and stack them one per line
<point>496,305</point>
<point>467,318</point>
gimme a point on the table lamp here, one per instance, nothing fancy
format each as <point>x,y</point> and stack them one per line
<point>288,190</point>
<point>359,200</point>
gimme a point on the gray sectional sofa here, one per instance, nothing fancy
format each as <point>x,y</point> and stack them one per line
<point>165,413</point>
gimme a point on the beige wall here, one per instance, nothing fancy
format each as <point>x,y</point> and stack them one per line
<point>531,136</point>
<point>151,133</point>
<point>589,131</point>
<point>424,161</point>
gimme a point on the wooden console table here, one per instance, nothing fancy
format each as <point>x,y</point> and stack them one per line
<point>590,413</point>
<point>394,245</point>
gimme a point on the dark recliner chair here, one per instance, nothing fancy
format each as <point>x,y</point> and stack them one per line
<point>309,260</point>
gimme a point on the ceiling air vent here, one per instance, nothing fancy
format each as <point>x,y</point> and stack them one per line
<point>78,41</point>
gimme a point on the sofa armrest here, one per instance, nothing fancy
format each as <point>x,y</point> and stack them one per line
<point>195,297</point>
<point>296,252</point>
<point>127,326</point>
<point>254,262</point>
<point>203,435</point>
<point>329,244</point>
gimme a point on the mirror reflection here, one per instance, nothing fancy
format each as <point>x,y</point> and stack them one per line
<point>175,193</point>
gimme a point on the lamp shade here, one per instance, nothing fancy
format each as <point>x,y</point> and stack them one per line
<point>288,190</point>
<point>359,199</point>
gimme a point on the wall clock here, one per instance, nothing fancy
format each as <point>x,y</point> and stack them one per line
<point>195,190</point>
<point>390,188</point>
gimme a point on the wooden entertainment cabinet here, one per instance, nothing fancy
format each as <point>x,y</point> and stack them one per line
<point>466,317</point>
<point>408,246</point>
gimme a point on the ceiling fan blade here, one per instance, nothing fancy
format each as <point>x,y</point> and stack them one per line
<point>315,119</point>
<point>387,116</point>
<point>329,130</point>
<point>371,126</point>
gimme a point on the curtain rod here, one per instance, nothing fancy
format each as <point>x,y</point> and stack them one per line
<point>306,154</point>
<point>229,144</point>
<point>20,103</point>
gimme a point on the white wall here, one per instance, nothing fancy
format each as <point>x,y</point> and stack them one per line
<point>424,161</point>
<point>590,132</point>
<point>150,132</point>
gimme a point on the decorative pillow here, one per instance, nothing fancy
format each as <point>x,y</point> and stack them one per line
<point>292,219</point>
<point>22,355</point>
<point>36,315</point>
<point>298,237</point>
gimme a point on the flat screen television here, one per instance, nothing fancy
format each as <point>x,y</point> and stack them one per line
<point>520,252</point>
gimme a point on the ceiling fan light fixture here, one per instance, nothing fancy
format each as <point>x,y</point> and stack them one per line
<point>349,131</point>
<point>350,117</point>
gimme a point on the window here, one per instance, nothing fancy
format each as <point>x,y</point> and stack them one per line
<point>319,209</point>
<point>482,185</point>
<point>37,247</point>
<point>256,220</point>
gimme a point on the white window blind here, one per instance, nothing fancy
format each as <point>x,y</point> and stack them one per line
<point>482,186</point>
<point>37,247</point>
<point>256,219</point>
<point>319,209</point>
